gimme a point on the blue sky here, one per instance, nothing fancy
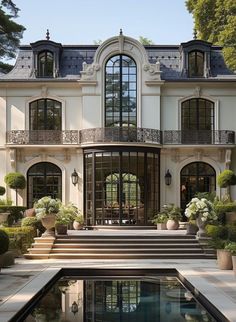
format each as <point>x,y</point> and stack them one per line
<point>83,21</point>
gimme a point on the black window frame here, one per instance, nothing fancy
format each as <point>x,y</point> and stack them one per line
<point>195,69</point>
<point>45,69</point>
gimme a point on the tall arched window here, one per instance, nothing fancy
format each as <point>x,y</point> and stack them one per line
<point>45,64</point>
<point>197,120</point>
<point>196,64</point>
<point>196,177</point>
<point>43,179</point>
<point>45,114</point>
<point>120,92</point>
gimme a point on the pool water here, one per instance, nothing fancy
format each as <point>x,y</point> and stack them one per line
<point>123,299</point>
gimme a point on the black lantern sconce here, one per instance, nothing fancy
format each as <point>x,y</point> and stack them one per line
<point>74,177</point>
<point>168,177</point>
<point>74,308</point>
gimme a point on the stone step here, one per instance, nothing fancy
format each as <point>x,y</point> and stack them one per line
<point>122,251</point>
<point>122,245</point>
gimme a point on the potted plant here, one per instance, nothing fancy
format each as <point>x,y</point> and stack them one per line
<point>191,227</point>
<point>70,211</point>
<point>46,209</point>
<point>232,248</point>
<point>174,216</point>
<point>226,179</point>
<point>78,222</point>
<point>160,220</point>
<point>202,210</point>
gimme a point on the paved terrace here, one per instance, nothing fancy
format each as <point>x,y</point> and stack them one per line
<point>19,283</point>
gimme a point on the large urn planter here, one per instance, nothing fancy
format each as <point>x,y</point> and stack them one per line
<point>224,259</point>
<point>48,223</point>
<point>201,227</point>
<point>191,229</point>
<point>172,224</point>
<point>77,225</point>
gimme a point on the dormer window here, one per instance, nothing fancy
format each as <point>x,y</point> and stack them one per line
<point>45,64</point>
<point>196,64</point>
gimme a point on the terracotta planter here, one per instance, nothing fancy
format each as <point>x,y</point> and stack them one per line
<point>61,229</point>
<point>172,224</point>
<point>234,263</point>
<point>77,225</point>
<point>161,226</point>
<point>224,259</point>
<point>48,223</point>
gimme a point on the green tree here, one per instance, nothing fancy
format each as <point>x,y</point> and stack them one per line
<point>145,41</point>
<point>215,21</point>
<point>15,180</point>
<point>10,33</point>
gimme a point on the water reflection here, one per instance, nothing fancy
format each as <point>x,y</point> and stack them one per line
<point>158,299</point>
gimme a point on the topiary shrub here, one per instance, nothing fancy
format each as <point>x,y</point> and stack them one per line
<point>226,179</point>
<point>15,180</point>
<point>2,190</point>
<point>4,242</point>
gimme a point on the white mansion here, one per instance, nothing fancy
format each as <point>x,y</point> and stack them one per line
<point>139,126</point>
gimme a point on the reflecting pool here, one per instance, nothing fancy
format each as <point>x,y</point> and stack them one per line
<point>159,298</point>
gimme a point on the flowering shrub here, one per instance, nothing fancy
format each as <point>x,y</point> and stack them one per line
<point>200,207</point>
<point>46,205</point>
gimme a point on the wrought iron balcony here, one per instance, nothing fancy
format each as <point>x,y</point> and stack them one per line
<point>201,137</point>
<point>120,134</point>
<point>42,137</point>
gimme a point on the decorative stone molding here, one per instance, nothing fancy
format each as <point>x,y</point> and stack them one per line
<point>153,70</point>
<point>44,91</point>
<point>227,158</point>
<point>89,71</point>
<point>197,91</point>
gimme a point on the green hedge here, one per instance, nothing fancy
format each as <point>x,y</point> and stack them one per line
<point>227,232</point>
<point>21,238</point>
<point>4,242</point>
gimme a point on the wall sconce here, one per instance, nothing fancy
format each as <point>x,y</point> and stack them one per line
<point>74,177</point>
<point>168,177</point>
<point>74,308</point>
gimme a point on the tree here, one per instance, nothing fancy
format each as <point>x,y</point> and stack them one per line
<point>15,180</point>
<point>10,32</point>
<point>215,21</point>
<point>226,179</point>
<point>145,41</point>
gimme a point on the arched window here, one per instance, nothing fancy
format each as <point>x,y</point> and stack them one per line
<point>196,64</point>
<point>43,179</point>
<point>120,92</point>
<point>45,64</point>
<point>197,120</point>
<point>196,177</point>
<point>45,114</point>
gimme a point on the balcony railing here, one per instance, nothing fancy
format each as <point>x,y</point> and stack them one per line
<point>191,137</point>
<point>42,137</point>
<point>122,134</point>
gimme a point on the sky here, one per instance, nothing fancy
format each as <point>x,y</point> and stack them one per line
<point>75,22</point>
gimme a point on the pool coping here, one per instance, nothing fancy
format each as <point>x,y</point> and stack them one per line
<point>197,279</point>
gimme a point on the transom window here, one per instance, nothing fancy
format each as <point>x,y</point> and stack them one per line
<point>120,92</point>
<point>45,64</point>
<point>196,64</point>
<point>45,114</point>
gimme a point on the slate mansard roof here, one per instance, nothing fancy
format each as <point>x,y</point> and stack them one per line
<point>72,58</point>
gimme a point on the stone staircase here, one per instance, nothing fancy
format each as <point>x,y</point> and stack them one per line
<point>119,246</point>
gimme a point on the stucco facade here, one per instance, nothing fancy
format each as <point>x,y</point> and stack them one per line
<point>60,119</point>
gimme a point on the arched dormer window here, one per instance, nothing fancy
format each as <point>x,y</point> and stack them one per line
<point>121,92</point>
<point>196,64</point>
<point>45,64</point>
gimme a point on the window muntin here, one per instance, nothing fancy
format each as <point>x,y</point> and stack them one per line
<point>45,114</point>
<point>43,179</point>
<point>45,64</point>
<point>121,92</point>
<point>196,64</point>
<point>116,191</point>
